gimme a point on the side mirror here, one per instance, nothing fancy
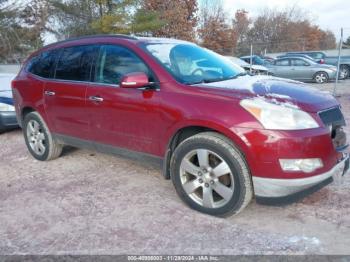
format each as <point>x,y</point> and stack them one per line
<point>134,80</point>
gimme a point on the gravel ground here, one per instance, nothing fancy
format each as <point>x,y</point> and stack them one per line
<point>91,203</point>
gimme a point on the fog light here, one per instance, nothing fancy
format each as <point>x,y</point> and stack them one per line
<point>307,165</point>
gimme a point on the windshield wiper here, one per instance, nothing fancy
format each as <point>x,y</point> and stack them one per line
<point>239,75</point>
<point>212,80</point>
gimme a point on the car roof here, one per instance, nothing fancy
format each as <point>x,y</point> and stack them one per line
<point>89,39</point>
<point>248,56</point>
<point>304,52</point>
<point>293,55</point>
<point>298,57</point>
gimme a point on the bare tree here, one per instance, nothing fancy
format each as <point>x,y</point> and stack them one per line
<point>285,30</point>
<point>214,30</point>
<point>179,17</point>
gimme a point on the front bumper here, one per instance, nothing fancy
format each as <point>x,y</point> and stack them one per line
<point>272,188</point>
<point>8,120</point>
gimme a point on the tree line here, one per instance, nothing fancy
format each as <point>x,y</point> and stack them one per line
<point>24,25</point>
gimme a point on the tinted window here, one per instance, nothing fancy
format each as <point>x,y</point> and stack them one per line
<point>298,62</point>
<point>317,55</point>
<point>43,64</point>
<point>115,61</point>
<point>75,63</point>
<point>282,62</point>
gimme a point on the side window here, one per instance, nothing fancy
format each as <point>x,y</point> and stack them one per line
<point>75,63</point>
<point>282,62</point>
<point>318,56</point>
<point>115,61</point>
<point>298,62</point>
<point>42,65</point>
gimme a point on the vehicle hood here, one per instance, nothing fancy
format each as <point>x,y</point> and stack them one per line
<point>325,66</point>
<point>5,88</point>
<point>277,90</point>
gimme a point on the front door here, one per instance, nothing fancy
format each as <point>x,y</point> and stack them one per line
<point>123,117</point>
<point>300,69</point>
<point>282,68</point>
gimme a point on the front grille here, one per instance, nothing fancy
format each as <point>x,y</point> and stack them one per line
<point>332,117</point>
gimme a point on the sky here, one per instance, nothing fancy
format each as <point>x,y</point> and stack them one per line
<point>328,14</point>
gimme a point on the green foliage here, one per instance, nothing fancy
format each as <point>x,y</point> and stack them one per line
<point>18,37</point>
<point>146,22</point>
<point>74,17</point>
<point>85,17</point>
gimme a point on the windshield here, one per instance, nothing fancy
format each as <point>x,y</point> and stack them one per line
<point>258,60</point>
<point>191,64</point>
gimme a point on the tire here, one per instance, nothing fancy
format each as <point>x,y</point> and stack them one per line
<point>38,138</point>
<point>226,178</point>
<point>344,71</point>
<point>321,77</point>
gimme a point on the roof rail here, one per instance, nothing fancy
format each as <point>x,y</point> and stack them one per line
<point>93,36</point>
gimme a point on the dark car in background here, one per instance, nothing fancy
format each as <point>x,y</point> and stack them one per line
<point>302,69</point>
<point>7,111</point>
<point>344,68</point>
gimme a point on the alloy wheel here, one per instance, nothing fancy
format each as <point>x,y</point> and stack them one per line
<point>206,178</point>
<point>321,78</point>
<point>36,137</point>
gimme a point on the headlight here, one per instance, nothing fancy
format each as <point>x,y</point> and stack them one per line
<point>6,107</point>
<point>284,116</point>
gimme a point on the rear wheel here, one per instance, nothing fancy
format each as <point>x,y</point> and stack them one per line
<point>39,140</point>
<point>344,71</point>
<point>211,175</point>
<point>321,77</point>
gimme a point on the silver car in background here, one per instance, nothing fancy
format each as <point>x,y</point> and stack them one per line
<point>302,69</point>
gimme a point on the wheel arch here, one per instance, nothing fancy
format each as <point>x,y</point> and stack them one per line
<point>318,72</point>
<point>190,130</point>
<point>25,111</point>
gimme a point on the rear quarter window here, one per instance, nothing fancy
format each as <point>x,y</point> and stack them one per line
<point>43,64</point>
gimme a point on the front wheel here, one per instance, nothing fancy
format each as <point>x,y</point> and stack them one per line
<point>321,77</point>
<point>210,175</point>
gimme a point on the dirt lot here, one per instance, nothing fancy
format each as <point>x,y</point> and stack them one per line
<point>92,203</point>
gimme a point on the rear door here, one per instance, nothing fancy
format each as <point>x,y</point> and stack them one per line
<point>65,93</point>
<point>123,117</point>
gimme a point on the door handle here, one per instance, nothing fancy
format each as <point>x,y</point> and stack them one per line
<point>49,93</point>
<point>96,98</point>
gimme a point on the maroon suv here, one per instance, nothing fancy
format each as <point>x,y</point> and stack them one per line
<point>223,135</point>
